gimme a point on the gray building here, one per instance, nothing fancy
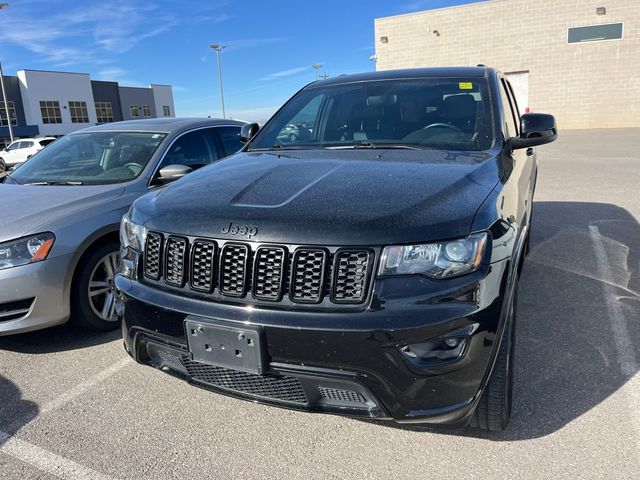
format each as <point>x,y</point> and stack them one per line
<point>106,96</point>
<point>43,103</point>
<point>577,59</point>
<point>137,103</point>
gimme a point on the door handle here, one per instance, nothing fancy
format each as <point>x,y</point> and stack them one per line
<point>530,151</point>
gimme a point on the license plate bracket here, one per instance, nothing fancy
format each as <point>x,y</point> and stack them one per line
<point>225,344</point>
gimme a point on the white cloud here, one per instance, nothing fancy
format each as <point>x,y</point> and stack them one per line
<point>286,73</point>
<point>106,28</point>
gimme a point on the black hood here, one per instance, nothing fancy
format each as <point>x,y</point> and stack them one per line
<point>327,197</point>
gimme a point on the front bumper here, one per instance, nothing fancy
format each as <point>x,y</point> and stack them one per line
<point>340,362</point>
<point>34,296</point>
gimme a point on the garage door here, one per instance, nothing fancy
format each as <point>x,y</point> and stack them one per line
<point>520,84</point>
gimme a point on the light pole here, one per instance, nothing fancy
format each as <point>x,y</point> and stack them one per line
<point>218,48</point>
<point>4,94</point>
<point>316,67</point>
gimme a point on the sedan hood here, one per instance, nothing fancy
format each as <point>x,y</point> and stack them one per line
<point>28,209</point>
<point>327,197</point>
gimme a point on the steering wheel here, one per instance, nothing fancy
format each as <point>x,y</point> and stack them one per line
<point>443,125</point>
<point>135,168</point>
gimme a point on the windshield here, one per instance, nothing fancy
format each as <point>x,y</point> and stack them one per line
<point>95,158</point>
<point>444,113</point>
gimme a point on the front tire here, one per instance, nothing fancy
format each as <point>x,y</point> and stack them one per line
<point>3,166</point>
<point>494,410</point>
<point>93,292</point>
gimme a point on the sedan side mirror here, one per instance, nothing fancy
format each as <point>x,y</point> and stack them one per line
<point>535,129</point>
<point>248,131</point>
<point>171,173</point>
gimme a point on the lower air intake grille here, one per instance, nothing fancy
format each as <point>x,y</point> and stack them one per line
<point>347,396</point>
<point>16,309</point>
<point>283,388</point>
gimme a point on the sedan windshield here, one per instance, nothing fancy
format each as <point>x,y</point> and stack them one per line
<point>443,113</point>
<point>93,158</point>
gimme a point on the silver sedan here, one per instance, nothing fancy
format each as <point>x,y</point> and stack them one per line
<point>61,211</point>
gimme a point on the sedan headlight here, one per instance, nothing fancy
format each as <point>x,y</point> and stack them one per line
<point>132,235</point>
<point>436,260</point>
<point>26,250</point>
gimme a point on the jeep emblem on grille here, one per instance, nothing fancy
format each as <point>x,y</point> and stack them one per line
<point>241,230</point>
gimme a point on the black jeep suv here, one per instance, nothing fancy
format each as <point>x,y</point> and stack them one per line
<point>367,268</point>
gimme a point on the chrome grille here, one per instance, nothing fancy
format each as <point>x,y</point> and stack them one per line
<point>233,270</point>
<point>268,273</point>
<point>350,276</point>
<point>175,253</point>
<point>307,276</point>
<point>152,255</point>
<point>219,270</point>
<point>203,259</point>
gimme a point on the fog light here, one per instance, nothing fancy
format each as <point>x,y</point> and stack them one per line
<point>447,348</point>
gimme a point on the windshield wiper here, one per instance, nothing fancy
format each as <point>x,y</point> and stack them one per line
<point>282,147</point>
<point>56,182</point>
<point>381,146</point>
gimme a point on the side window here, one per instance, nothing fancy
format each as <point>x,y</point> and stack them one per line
<point>229,139</point>
<point>193,149</point>
<point>507,110</point>
<point>27,144</point>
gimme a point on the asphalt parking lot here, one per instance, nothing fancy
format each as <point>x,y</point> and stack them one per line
<point>73,405</point>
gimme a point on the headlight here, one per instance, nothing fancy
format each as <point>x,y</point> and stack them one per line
<point>436,260</point>
<point>132,235</point>
<point>26,250</point>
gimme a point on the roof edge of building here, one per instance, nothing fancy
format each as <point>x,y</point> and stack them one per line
<point>438,9</point>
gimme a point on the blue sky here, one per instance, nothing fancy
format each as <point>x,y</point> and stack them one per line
<point>271,44</point>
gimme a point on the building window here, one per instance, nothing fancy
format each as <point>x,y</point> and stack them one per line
<point>166,111</point>
<point>79,112</point>
<point>146,111</point>
<point>133,110</point>
<point>595,33</point>
<point>12,113</point>
<point>50,111</point>
<point>104,112</point>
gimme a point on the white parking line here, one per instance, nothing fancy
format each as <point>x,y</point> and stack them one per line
<point>43,459</point>
<point>619,325</point>
<point>81,388</point>
<point>46,461</point>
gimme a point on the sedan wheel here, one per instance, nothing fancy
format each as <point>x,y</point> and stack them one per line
<point>3,166</point>
<point>102,290</point>
<point>93,298</point>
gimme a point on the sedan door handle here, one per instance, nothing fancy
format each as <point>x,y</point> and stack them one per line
<point>530,151</point>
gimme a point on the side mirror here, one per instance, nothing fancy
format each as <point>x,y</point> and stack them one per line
<point>535,129</point>
<point>248,131</point>
<point>171,173</point>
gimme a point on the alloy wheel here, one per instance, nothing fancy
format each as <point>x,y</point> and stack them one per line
<point>102,287</point>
